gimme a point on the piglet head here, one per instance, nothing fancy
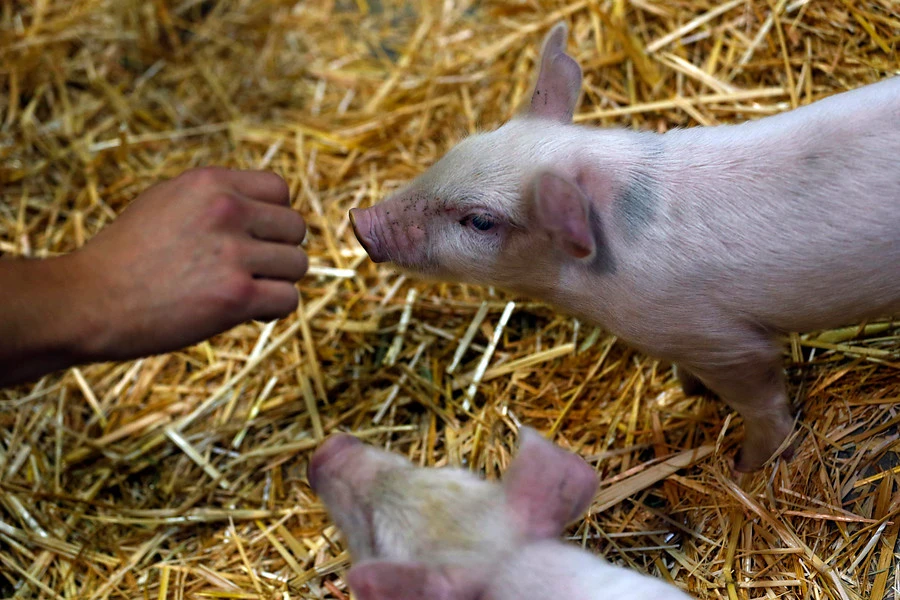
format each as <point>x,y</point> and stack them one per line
<point>390,509</point>
<point>413,529</point>
<point>490,212</point>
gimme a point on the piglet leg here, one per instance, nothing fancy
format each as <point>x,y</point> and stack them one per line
<point>690,384</point>
<point>754,386</point>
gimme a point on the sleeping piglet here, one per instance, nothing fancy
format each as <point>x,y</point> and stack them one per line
<point>416,533</point>
<point>697,246</point>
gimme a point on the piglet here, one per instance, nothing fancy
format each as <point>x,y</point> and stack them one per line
<point>446,534</point>
<point>698,246</point>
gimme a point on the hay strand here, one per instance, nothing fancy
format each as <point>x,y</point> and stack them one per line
<point>184,475</point>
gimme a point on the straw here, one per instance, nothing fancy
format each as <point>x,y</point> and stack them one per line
<point>184,475</point>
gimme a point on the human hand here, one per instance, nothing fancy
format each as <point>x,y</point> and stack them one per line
<point>189,258</point>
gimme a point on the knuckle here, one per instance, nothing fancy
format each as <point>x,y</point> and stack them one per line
<point>236,293</point>
<point>204,176</point>
<point>230,251</point>
<point>224,208</point>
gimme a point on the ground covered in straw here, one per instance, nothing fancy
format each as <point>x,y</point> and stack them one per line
<point>184,475</point>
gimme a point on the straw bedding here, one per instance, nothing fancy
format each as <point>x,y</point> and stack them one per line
<point>183,475</point>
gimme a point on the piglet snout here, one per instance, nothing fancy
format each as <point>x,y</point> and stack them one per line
<point>361,220</point>
<point>328,457</point>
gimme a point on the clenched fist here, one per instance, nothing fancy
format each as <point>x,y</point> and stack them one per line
<point>190,258</point>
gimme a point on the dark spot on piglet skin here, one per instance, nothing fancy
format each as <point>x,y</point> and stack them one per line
<point>603,259</point>
<point>813,160</point>
<point>639,199</point>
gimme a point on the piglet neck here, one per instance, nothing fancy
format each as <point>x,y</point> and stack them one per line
<point>583,294</point>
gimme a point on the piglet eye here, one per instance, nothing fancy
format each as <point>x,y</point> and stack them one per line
<point>481,222</point>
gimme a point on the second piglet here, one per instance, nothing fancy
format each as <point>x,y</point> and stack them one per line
<point>445,534</point>
<point>698,246</point>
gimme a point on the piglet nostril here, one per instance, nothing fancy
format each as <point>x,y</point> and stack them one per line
<point>327,452</point>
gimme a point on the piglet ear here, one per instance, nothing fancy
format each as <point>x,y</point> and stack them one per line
<point>558,83</point>
<point>386,580</point>
<point>547,487</point>
<point>563,210</point>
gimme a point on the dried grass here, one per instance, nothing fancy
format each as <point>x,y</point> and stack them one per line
<point>184,475</point>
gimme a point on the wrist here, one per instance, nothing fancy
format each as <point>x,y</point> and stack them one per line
<point>40,330</point>
<point>81,331</point>
<point>66,320</point>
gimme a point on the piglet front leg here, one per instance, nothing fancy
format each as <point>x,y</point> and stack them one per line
<point>751,381</point>
<point>690,384</point>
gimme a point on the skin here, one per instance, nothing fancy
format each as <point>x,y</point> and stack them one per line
<point>699,246</point>
<point>191,257</point>
<point>446,534</point>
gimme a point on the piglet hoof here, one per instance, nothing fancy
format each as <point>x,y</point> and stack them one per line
<point>755,453</point>
<point>748,461</point>
<point>744,465</point>
<point>788,453</point>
